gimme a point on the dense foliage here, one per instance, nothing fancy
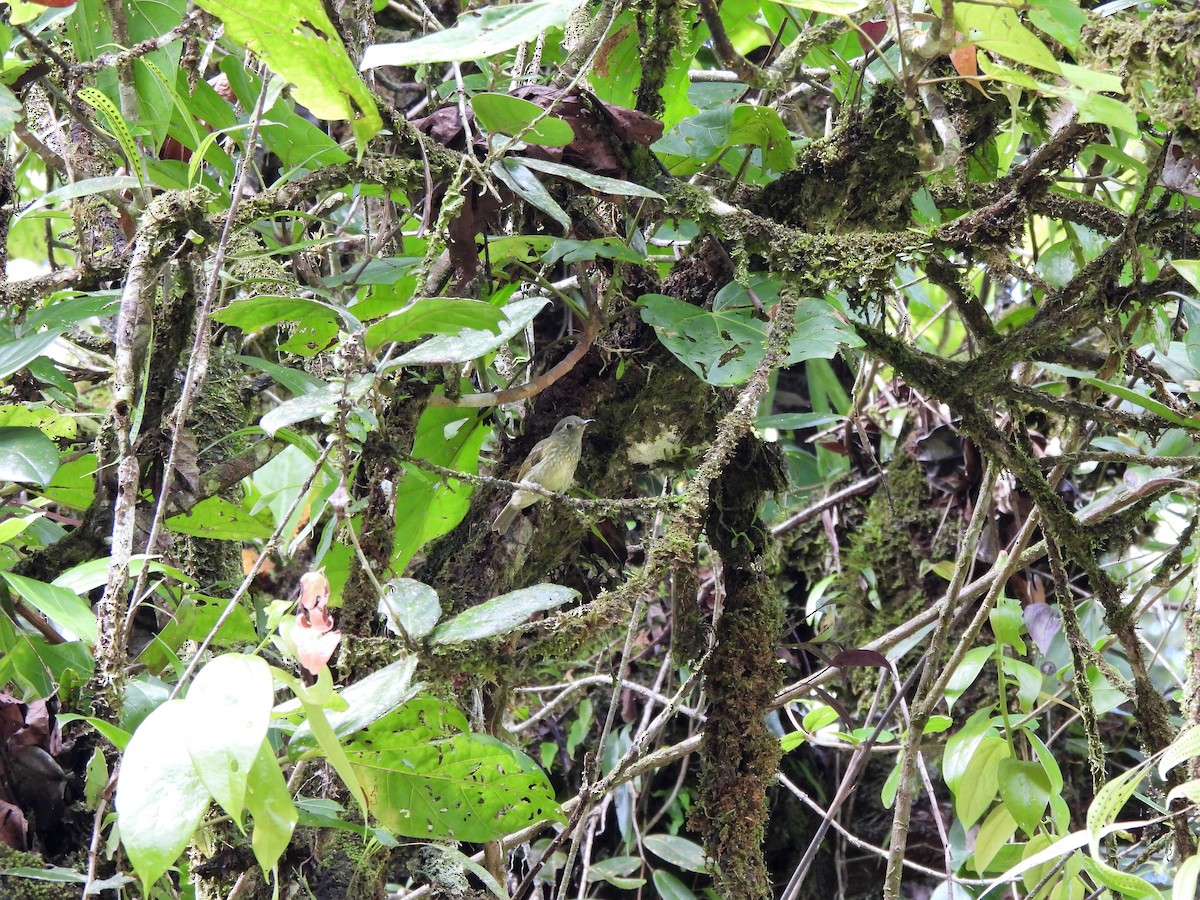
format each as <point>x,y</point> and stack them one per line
<point>878,577</point>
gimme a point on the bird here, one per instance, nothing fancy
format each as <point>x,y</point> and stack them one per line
<point>550,464</point>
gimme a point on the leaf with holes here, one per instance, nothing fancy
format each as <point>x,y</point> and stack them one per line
<point>464,787</point>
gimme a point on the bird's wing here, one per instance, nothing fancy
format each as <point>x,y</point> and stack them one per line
<point>534,457</point>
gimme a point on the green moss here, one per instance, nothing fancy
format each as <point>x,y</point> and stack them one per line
<point>881,580</point>
<point>861,176</point>
<point>1160,54</point>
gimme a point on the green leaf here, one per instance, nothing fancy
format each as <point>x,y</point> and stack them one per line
<point>1190,270</point>
<point>10,111</point>
<point>160,797</point>
<point>477,34</point>
<point>502,614</point>
<point>428,505</point>
<point>435,315</point>
<point>997,28</point>
<point>318,320</point>
<point>410,607</point>
<point>723,348</point>
<point>228,709</point>
<point>1007,621</point>
<point>522,182</point>
<point>993,834</point>
<point>1109,801</point>
<point>512,115</point>
<point>322,403</point>
<point>90,33</point>
<point>58,604</point>
<point>1025,791</point>
<point>17,354</point>
<point>270,803</point>
<point>820,333</point>
<point>472,343</point>
<point>980,782</point>
<point>27,456</point>
<point>1147,403</point>
<point>297,41</point>
<point>1185,746</point>
<point>1124,883</point>
<point>219,519</point>
<point>670,887</point>
<point>465,787</point>
<point>687,855</point>
<point>367,701</point>
<point>614,186</point>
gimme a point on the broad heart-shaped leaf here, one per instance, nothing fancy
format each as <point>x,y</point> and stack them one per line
<point>435,315</point>
<point>471,343</point>
<point>219,519</point>
<point>476,35</point>
<point>270,803</point>
<point>819,333</point>
<point>62,606</point>
<point>160,797</point>
<point>253,313</point>
<point>467,787</point>
<point>512,115</point>
<point>27,456</point>
<point>368,700</point>
<point>410,607</point>
<point>297,41</point>
<point>228,710</point>
<point>1025,791</point>
<point>502,614</point>
<point>722,348</point>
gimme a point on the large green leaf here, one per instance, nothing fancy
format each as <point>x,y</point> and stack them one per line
<point>725,346</point>
<point>477,34</point>
<point>160,797</point>
<point>270,803</point>
<point>512,115</point>
<point>92,36</point>
<point>502,614</point>
<point>297,41</point>
<point>60,605</point>
<point>435,315</point>
<point>428,505</point>
<point>424,782</point>
<point>217,518</point>
<point>471,343</point>
<point>20,352</point>
<point>367,701</point>
<point>228,708</point>
<point>27,456</point>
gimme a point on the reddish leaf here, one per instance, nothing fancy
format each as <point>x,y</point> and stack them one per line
<point>871,34</point>
<point>860,659</point>
<point>966,64</point>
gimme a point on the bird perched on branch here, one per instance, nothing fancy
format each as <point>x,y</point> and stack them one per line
<point>550,464</point>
